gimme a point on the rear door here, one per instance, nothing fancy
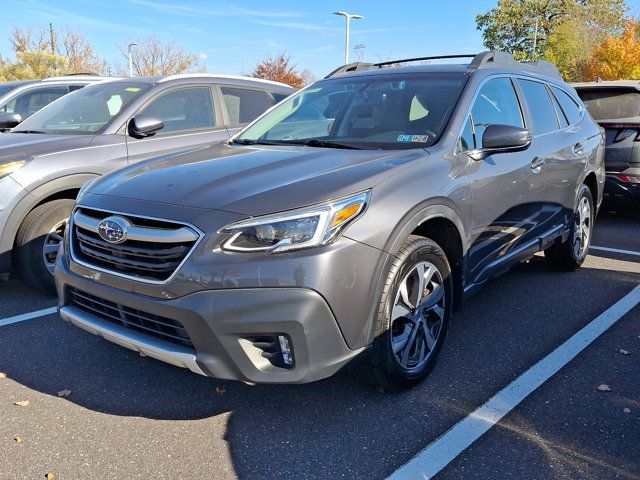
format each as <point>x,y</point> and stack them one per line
<point>191,119</point>
<point>243,105</point>
<point>507,192</point>
<point>560,147</point>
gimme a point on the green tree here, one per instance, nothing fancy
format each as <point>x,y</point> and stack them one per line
<point>567,30</point>
<point>33,64</point>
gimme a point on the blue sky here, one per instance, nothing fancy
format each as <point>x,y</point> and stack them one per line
<point>232,36</point>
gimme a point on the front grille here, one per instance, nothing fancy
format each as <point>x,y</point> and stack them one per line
<point>160,327</point>
<point>152,251</point>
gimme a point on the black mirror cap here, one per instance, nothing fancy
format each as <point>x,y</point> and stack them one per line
<point>9,120</point>
<point>144,126</point>
<point>501,137</point>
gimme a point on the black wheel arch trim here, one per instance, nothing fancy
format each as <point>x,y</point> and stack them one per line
<point>421,213</point>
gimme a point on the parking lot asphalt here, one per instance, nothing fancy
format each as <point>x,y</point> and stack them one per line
<point>132,417</point>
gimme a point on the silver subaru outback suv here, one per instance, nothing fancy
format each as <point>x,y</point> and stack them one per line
<point>342,227</point>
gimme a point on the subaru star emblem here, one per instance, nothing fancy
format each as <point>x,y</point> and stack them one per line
<point>113,229</point>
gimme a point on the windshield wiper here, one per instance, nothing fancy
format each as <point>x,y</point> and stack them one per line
<point>316,142</point>
<point>246,141</point>
<point>28,131</point>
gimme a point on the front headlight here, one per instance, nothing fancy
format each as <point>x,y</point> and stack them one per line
<point>308,227</point>
<point>9,168</point>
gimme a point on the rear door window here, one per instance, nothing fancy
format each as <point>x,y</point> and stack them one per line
<point>542,111</point>
<point>245,105</point>
<point>184,109</point>
<point>495,104</point>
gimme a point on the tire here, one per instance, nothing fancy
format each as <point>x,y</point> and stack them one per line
<point>394,331</point>
<point>570,255</point>
<point>36,228</point>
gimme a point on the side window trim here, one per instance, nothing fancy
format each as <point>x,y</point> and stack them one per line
<point>558,109</point>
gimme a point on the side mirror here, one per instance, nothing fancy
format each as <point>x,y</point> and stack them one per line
<point>144,126</point>
<point>501,139</point>
<point>9,120</point>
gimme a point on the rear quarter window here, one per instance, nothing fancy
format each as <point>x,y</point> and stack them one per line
<point>569,106</point>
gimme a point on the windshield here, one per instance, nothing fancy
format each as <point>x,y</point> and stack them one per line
<point>85,111</point>
<point>6,89</point>
<point>611,104</point>
<point>367,112</point>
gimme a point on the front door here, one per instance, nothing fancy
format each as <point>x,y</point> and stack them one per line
<point>508,189</point>
<point>190,121</point>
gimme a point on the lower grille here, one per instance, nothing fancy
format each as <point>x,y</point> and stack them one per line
<point>148,323</point>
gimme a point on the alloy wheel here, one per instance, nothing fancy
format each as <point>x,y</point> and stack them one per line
<point>51,244</point>
<point>582,228</point>
<point>417,315</point>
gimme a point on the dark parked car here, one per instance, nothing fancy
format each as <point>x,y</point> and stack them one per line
<point>346,224</point>
<point>615,105</point>
<point>48,157</point>
<point>21,99</point>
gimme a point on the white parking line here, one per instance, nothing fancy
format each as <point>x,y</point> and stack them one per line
<point>442,451</point>
<point>615,250</point>
<point>28,316</point>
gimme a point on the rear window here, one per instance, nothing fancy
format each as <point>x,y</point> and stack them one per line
<point>569,106</point>
<point>610,103</point>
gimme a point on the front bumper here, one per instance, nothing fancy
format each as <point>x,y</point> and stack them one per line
<point>219,322</point>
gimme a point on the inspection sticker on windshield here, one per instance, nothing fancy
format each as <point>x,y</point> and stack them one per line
<point>413,138</point>
<point>132,89</point>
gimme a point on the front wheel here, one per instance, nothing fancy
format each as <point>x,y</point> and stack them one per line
<point>571,254</point>
<point>413,316</point>
<point>38,240</point>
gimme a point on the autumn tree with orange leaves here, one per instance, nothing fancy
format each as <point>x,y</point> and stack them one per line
<point>279,69</point>
<point>618,57</point>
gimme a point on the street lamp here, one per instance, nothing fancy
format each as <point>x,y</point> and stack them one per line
<point>348,17</point>
<point>130,61</point>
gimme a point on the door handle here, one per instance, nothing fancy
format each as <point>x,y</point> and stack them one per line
<point>577,149</point>
<point>537,163</point>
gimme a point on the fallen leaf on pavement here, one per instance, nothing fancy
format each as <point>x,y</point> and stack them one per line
<point>18,439</point>
<point>64,393</point>
<point>379,389</point>
<point>604,388</point>
<point>3,375</point>
<point>221,390</point>
<point>626,410</point>
<point>22,403</point>
<point>50,476</point>
<point>625,352</point>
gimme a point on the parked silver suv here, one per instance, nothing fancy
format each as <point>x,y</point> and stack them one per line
<point>21,99</point>
<point>48,157</point>
<point>345,224</point>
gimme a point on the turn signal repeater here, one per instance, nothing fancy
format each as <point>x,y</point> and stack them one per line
<point>295,229</point>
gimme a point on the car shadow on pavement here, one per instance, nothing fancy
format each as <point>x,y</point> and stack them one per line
<point>339,424</point>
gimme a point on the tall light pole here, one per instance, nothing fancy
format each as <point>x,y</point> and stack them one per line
<point>348,17</point>
<point>130,60</point>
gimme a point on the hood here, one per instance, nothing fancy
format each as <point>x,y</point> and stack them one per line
<point>254,180</point>
<point>14,145</point>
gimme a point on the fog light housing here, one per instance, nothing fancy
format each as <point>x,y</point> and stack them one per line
<point>278,349</point>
